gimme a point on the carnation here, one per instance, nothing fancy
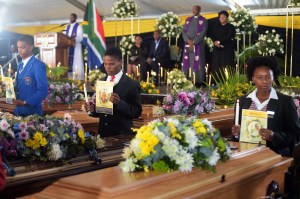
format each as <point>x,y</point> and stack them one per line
<point>55,153</point>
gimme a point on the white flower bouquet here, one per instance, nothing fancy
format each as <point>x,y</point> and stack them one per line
<point>169,25</point>
<point>126,44</point>
<point>269,43</point>
<point>95,75</point>
<point>243,21</point>
<point>209,42</point>
<point>177,143</point>
<point>178,81</point>
<point>124,8</point>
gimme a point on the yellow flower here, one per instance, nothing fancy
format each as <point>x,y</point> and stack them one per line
<point>152,85</point>
<point>38,136</point>
<point>35,144</point>
<point>146,168</point>
<point>81,136</point>
<point>52,134</point>
<point>173,131</point>
<point>199,126</point>
<point>67,136</point>
<point>29,143</point>
<point>43,142</point>
<point>149,91</point>
<point>157,91</point>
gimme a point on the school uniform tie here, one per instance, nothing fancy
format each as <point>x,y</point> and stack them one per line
<point>112,78</point>
<point>21,67</point>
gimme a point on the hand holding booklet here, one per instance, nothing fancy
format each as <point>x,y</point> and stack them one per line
<point>252,122</point>
<point>104,90</point>
<point>10,91</point>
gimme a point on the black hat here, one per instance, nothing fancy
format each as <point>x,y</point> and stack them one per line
<point>223,12</point>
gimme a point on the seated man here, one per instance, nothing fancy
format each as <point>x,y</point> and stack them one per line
<point>125,98</point>
<point>159,54</point>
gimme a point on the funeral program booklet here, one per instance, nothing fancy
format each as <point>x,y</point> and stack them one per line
<point>252,122</point>
<point>10,91</point>
<point>104,90</point>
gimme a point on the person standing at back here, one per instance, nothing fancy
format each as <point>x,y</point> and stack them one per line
<point>193,34</point>
<point>31,85</point>
<point>75,61</point>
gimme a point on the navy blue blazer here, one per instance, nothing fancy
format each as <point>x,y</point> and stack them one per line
<point>31,86</point>
<point>284,123</point>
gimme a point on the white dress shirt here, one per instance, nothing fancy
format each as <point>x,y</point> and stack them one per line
<point>258,104</point>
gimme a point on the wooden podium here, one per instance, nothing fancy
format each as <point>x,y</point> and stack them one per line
<point>53,47</point>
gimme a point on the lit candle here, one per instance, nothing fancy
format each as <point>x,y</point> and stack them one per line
<point>147,77</point>
<point>194,78</point>
<point>85,93</point>
<point>85,68</point>
<point>9,69</point>
<point>127,74</point>
<point>76,70</point>
<point>209,81</point>
<point>15,75</point>
<point>96,67</point>
<point>237,111</point>
<point>85,77</point>
<point>206,69</point>
<point>190,72</point>
<point>161,71</point>
<point>74,75</point>
<point>2,76</point>
<point>58,65</point>
<point>137,70</point>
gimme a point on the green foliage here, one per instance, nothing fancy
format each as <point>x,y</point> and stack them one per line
<point>56,73</point>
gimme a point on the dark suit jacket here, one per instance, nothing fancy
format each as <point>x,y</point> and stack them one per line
<point>161,54</point>
<point>128,108</point>
<point>284,123</point>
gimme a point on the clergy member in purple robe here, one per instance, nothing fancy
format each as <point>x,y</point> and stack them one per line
<point>75,61</point>
<point>193,34</point>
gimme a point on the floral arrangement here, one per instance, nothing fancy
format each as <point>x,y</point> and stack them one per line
<point>209,42</point>
<point>169,25</point>
<point>294,2</point>
<point>126,44</point>
<point>124,8</point>
<point>188,103</point>
<point>176,143</point>
<point>157,111</point>
<point>95,75</point>
<point>230,87</point>
<point>175,53</point>
<point>243,21</point>
<point>44,138</point>
<point>2,89</point>
<point>289,82</point>
<point>269,43</point>
<point>56,73</point>
<point>147,87</point>
<point>178,81</point>
<point>62,93</point>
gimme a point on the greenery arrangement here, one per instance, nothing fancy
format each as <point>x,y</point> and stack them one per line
<point>56,73</point>
<point>289,82</point>
<point>36,138</point>
<point>126,44</point>
<point>188,103</point>
<point>178,81</point>
<point>124,8</point>
<point>176,143</point>
<point>169,25</point>
<point>230,86</point>
<point>242,20</point>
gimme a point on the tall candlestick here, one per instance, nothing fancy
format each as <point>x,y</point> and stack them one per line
<point>161,71</point>
<point>137,71</point>
<point>9,69</point>
<point>147,77</point>
<point>237,111</point>
<point>2,76</point>
<point>74,75</point>
<point>58,65</point>
<point>76,70</point>
<point>209,81</point>
<point>85,77</point>
<point>85,93</point>
<point>85,68</point>
<point>15,75</point>
<point>194,78</point>
<point>190,72</point>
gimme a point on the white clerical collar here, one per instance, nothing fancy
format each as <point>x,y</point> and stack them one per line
<point>25,61</point>
<point>258,104</point>
<point>196,16</point>
<point>117,77</point>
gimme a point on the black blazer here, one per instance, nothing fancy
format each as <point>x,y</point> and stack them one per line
<point>284,123</point>
<point>128,108</point>
<point>162,53</point>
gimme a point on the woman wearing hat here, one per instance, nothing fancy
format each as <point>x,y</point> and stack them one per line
<point>222,34</point>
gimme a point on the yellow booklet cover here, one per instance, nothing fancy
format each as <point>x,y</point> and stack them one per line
<point>252,122</point>
<point>10,91</point>
<point>104,90</point>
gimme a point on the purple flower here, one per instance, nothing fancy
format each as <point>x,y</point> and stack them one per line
<point>199,108</point>
<point>58,100</point>
<point>43,127</point>
<point>177,106</point>
<point>4,125</point>
<point>67,99</point>
<point>169,98</point>
<point>23,126</point>
<point>10,147</point>
<point>24,135</point>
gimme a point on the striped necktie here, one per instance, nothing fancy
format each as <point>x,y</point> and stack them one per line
<point>21,67</point>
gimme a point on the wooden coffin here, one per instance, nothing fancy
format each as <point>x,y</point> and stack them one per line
<point>246,175</point>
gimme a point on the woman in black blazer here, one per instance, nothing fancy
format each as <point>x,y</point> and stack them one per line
<point>283,130</point>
